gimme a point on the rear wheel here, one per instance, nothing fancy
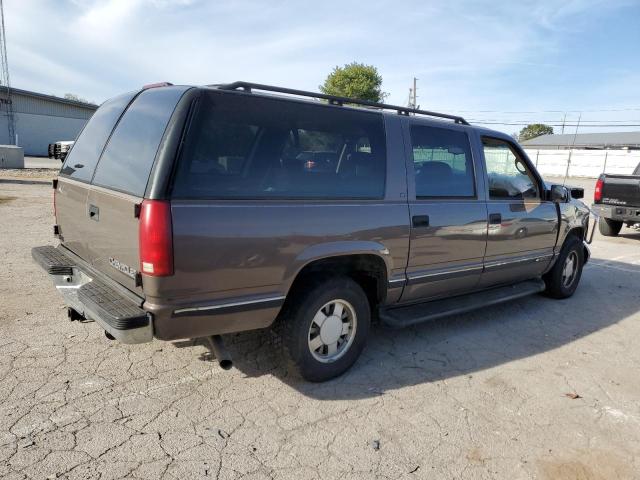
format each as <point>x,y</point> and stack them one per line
<point>562,280</point>
<point>324,328</point>
<point>608,227</point>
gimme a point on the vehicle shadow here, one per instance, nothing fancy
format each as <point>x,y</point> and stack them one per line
<point>459,345</point>
<point>630,234</point>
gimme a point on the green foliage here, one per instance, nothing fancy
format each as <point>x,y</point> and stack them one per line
<point>355,80</point>
<point>74,97</point>
<point>534,130</point>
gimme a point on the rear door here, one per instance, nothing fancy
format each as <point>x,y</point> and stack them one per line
<point>448,213</point>
<point>77,171</point>
<point>120,182</point>
<point>523,226</point>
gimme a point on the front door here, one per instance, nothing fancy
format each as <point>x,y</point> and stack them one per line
<point>523,226</point>
<point>447,211</point>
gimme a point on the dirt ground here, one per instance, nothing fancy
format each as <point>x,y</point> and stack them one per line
<point>533,389</point>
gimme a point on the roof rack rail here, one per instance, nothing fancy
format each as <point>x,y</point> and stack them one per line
<point>335,100</point>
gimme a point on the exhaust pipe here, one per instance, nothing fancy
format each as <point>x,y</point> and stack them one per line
<point>216,345</point>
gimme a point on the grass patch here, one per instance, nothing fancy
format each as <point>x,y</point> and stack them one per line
<point>4,199</point>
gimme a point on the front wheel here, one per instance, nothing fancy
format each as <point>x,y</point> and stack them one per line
<point>608,227</point>
<point>563,278</point>
<point>324,328</point>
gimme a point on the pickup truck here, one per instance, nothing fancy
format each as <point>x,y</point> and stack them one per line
<point>59,150</point>
<point>193,212</point>
<point>617,202</point>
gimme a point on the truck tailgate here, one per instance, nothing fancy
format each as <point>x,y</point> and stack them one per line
<point>621,190</point>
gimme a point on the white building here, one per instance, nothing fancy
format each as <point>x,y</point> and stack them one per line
<point>41,119</point>
<point>587,141</point>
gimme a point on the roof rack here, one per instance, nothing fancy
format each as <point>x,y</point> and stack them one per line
<point>335,100</point>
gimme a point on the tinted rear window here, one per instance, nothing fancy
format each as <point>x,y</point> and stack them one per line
<point>242,146</point>
<point>83,157</point>
<point>127,160</point>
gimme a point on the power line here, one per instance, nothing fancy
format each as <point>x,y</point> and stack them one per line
<point>535,120</point>
<point>630,109</point>
<point>603,125</point>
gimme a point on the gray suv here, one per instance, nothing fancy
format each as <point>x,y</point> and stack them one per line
<point>189,212</point>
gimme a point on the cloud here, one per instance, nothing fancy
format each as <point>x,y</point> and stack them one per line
<point>467,55</point>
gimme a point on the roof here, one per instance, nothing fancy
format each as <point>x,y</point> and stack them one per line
<point>50,98</point>
<point>594,140</point>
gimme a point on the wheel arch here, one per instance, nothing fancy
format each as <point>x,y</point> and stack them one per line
<point>368,263</point>
<point>579,233</point>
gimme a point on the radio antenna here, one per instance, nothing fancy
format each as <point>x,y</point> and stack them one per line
<point>573,144</point>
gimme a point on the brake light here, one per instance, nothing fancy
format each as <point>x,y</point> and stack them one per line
<point>156,238</point>
<point>597,193</point>
<point>156,85</point>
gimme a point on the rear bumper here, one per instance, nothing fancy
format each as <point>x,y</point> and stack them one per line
<point>98,298</point>
<point>617,212</point>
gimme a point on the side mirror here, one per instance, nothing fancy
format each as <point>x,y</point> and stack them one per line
<point>577,192</point>
<point>559,194</point>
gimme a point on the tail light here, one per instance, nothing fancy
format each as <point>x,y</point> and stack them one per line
<point>597,193</point>
<point>156,238</point>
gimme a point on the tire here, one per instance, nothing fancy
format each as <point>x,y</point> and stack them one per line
<point>564,277</point>
<point>608,227</point>
<point>299,328</point>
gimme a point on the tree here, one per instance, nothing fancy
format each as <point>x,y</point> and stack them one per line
<point>355,80</point>
<point>75,98</point>
<point>534,130</point>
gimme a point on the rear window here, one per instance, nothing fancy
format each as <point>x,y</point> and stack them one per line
<point>242,146</point>
<point>83,157</point>
<point>126,162</point>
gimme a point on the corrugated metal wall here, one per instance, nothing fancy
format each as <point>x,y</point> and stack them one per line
<point>41,106</point>
<point>40,121</point>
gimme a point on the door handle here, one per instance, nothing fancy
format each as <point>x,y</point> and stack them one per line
<point>495,219</point>
<point>420,220</point>
<point>94,212</point>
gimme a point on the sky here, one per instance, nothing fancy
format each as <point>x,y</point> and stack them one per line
<point>495,62</point>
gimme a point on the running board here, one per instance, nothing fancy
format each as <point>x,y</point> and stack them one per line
<point>399,317</point>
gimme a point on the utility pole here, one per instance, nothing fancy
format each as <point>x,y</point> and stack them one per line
<point>415,93</point>
<point>4,79</point>
<point>563,120</point>
<point>575,135</point>
<point>413,97</point>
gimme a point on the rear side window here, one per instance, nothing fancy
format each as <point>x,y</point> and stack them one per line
<point>442,162</point>
<point>637,170</point>
<point>127,160</point>
<point>84,155</point>
<point>242,146</point>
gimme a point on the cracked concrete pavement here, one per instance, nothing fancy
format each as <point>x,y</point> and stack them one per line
<point>481,395</point>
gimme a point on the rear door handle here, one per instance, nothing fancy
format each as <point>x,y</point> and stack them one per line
<point>420,220</point>
<point>94,212</point>
<point>495,219</point>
